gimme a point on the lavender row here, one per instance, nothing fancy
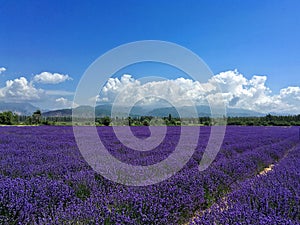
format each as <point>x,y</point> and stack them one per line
<point>271,198</point>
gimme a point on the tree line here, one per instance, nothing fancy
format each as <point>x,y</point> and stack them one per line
<point>268,120</point>
<point>10,118</point>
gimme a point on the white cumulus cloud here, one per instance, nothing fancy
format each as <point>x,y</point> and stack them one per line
<point>2,69</point>
<point>51,78</point>
<point>236,91</point>
<point>63,102</point>
<point>130,90</point>
<point>20,89</point>
<point>291,97</point>
<point>244,93</point>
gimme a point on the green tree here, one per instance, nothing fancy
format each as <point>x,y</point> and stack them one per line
<point>36,117</point>
<point>106,121</point>
<point>170,117</point>
<point>8,118</point>
<point>129,121</point>
<point>146,122</point>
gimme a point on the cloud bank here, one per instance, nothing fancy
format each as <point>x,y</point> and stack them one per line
<point>23,90</point>
<point>236,91</point>
<point>20,89</point>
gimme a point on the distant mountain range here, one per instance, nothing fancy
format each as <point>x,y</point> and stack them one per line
<point>105,110</point>
<point>202,111</point>
<point>18,108</point>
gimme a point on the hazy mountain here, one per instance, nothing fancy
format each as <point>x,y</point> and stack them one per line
<point>105,110</point>
<point>19,108</point>
<point>100,111</point>
<point>243,112</point>
<point>202,110</point>
<point>58,113</point>
<point>82,110</point>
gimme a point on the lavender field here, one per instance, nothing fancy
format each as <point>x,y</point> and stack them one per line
<point>45,180</point>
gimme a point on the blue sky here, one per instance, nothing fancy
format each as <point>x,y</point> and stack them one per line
<point>65,37</point>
